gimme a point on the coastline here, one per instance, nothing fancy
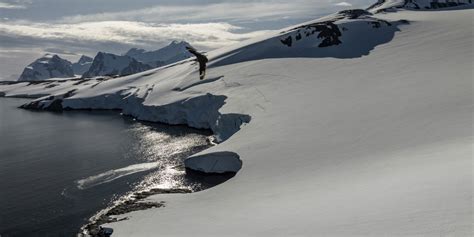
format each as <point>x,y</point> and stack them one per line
<point>373,141</point>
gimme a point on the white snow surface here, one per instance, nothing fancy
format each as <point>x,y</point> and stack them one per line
<point>413,4</point>
<point>371,137</point>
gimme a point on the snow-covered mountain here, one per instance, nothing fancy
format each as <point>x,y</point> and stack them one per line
<point>137,60</point>
<point>107,64</point>
<point>355,124</point>
<point>174,52</point>
<point>386,5</point>
<point>46,67</point>
<point>82,65</point>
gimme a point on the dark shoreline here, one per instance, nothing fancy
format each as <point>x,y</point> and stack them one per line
<point>136,202</point>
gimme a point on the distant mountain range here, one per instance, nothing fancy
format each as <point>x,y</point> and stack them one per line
<point>105,64</point>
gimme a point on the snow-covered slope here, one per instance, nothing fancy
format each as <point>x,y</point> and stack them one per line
<point>379,145</point>
<point>361,126</point>
<point>174,52</point>
<point>384,5</point>
<point>106,64</point>
<point>82,65</point>
<point>46,67</point>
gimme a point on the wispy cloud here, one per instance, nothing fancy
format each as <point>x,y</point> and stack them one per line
<point>14,4</point>
<point>343,4</point>
<point>6,5</point>
<point>208,35</point>
<point>203,12</point>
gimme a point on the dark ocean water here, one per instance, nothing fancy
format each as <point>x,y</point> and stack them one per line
<point>58,169</point>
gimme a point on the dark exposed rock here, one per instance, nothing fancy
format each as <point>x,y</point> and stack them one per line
<point>131,206</point>
<point>328,31</point>
<point>413,4</point>
<point>354,13</point>
<point>378,23</point>
<point>135,204</point>
<point>145,194</point>
<point>287,41</point>
<point>56,106</point>
<point>403,21</point>
<point>330,34</point>
<point>8,82</point>
<point>80,82</point>
<point>375,5</point>
<point>298,36</point>
<point>33,105</point>
<point>69,93</point>
<point>51,86</point>
<point>94,228</point>
<point>55,102</point>
<point>37,82</point>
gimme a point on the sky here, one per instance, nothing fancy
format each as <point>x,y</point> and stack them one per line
<point>71,28</point>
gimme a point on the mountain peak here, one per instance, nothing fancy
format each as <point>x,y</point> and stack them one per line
<point>49,55</point>
<point>173,52</point>
<point>178,43</point>
<point>46,67</point>
<point>135,51</point>
<point>107,64</point>
<point>85,59</point>
<point>82,65</point>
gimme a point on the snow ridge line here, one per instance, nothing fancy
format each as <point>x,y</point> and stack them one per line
<point>391,5</point>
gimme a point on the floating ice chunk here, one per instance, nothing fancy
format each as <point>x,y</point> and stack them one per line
<point>218,162</point>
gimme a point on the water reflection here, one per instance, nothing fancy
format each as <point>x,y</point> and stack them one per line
<point>161,149</point>
<point>163,153</point>
<point>44,156</point>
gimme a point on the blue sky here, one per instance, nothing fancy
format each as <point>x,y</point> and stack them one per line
<point>31,28</point>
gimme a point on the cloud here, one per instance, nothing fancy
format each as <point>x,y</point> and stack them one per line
<point>343,4</point>
<point>207,35</point>
<point>30,28</point>
<point>5,5</point>
<point>59,51</point>
<point>14,4</point>
<point>225,11</point>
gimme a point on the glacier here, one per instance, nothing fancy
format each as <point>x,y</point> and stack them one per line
<point>360,127</point>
